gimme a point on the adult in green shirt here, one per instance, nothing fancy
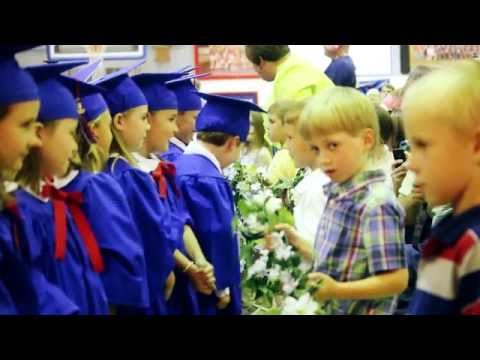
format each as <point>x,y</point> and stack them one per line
<point>293,77</point>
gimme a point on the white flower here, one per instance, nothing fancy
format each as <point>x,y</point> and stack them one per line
<point>305,266</point>
<point>242,265</point>
<point>260,198</point>
<point>258,268</point>
<point>268,193</point>
<point>303,306</point>
<point>243,187</point>
<point>230,173</point>
<point>283,252</point>
<point>273,204</point>
<point>288,282</point>
<point>277,239</point>
<point>255,188</point>
<point>274,273</point>
<point>253,225</point>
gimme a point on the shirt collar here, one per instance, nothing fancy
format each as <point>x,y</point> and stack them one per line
<point>60,183</point>
<point>195,147</point>
<point>449,229</point>
<point>10,186</point>
<point>146,164</point>
<point>178,143</point>
<point>356,183</point>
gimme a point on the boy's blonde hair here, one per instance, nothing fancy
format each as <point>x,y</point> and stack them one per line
<point>340,109</point>
<point>292,116</point>
<point>450,93</point>
<point>280,108</point>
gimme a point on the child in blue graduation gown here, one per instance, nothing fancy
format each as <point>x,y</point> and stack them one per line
<point>128,108</point>
<point>221,126</point>
<point>104,203</point>
<point>61,242</point>
<point>188,105</point>
<point>23,289</point>
<point>162,104</point>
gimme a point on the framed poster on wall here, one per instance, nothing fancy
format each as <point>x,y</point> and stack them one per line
<point>415,55</point>
<point>223,62</point>
<point>108,52</point>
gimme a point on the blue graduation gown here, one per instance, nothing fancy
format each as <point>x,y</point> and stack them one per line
<point>184,299</point>
<point>147,212</point>
<point>74,274</point>
<point>173,153</point>
<point>209,200</point>
<point>108,212</point>
<point>29,289</point>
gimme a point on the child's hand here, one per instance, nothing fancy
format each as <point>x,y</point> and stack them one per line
<point>207,269</point>
<point>200,280</point>
<point>327,286</point>
<point>290,233</point>
<point>169,285</point>
<point>223,301</point>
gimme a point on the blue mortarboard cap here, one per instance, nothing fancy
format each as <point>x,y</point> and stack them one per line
<point>86,72</point>
<point>225,114</point>
<point>16,85</point>
<point>158,95</point>
<point>89,95</point>
<point>121,92</point>
<point>56,98</point>
<point>93,104</point>
<point>187,98</point>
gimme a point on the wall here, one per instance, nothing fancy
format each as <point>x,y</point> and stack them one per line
<point>372,62</point>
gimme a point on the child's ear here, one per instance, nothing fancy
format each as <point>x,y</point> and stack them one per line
<point>41,131</point>
<point>150,118</point>
<point>368,136</point>
<point>476,144</point>
<point>232,143</point>
<point>119,121</point>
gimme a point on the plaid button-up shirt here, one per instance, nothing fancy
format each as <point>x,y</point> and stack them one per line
<point>361,234</point>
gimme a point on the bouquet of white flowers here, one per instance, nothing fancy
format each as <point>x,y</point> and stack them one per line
<point>274,279</point>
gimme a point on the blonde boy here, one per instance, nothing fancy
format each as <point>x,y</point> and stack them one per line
<point>359,247</point>
<point>308,195</point>
<point>446,162</point>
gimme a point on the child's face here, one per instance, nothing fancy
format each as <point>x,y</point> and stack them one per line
<point>133,126</point>
<point>299,149</point>
<point>59,146</point>
<point>19,133</point>
<point>340,155</point>
<point>186,125</point>
<point>103,132</point>
<point>276,131</point>
<point>442,159</point>
<point>162,128</point>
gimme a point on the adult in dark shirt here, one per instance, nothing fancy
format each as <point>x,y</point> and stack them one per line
<point>341,70</point>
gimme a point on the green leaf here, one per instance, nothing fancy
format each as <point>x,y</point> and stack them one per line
<point>285,216</point>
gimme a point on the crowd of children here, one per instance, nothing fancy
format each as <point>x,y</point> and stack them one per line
<point>114,200</point>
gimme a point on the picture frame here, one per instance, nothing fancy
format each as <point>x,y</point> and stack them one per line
<point>415,55</point>
<point>251,96</point>
<point>223,62</point>
<point>107,52</point>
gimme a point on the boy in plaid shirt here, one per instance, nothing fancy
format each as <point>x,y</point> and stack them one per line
<point>359,248</point>
<point>442,123</point>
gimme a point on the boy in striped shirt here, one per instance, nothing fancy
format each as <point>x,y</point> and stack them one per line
<point>442,122</point>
